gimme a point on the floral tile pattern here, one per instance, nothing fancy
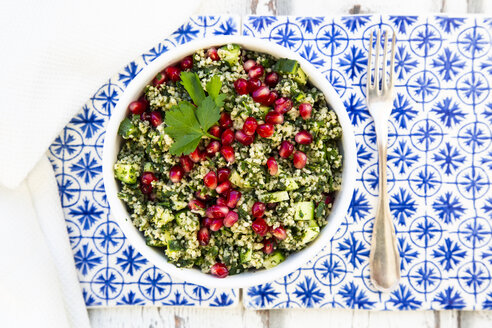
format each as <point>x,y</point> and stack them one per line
<point>110,270</point>
<point>440,163</point>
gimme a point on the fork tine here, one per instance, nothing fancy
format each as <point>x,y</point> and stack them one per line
<point>369,60</point>
<point>384,85</point>
<point>392,65</point>
<point>376,63</point>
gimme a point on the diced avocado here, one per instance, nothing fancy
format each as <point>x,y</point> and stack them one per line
<point>127,129</point>
<point>274,197</point>
<point>127,173</point>
<point>304,211</point>
<point>310,233</point>
<point>245,255</point>
<point>237,180</point>
<point>291,184</point>
<point>154,242</point>
<point>286,66</point>
<point>300,77</point>
<point>274,259</point>
<point>230,53</point>
<point>148,167</point>
<point>162,216</point>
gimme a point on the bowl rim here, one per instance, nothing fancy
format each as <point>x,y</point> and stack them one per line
<point>294,261</point>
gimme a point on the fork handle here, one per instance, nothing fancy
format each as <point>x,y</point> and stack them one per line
<point>384,259</point>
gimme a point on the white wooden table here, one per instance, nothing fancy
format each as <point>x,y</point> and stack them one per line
<point>181,317</point>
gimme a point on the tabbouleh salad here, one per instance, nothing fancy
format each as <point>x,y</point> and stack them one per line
<point>230,160</point>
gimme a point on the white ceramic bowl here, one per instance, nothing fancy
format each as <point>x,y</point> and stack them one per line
<point>294,261</point>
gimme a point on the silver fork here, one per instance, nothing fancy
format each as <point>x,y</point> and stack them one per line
<point>384,260</point>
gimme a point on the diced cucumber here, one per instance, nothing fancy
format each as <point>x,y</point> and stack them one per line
<point>127,129</point>
<point>311,232</point>
<point>286,66</point>
<point>274,197</point>
<point>179,205</point>
<point>154,242</point>
<point>162,216</point>
<point>273,260</point>
<point>300,77</point>
<point>167,236</point>
<point>265,109</point>
<point>291,184</point>
<point>237,180</point>
<point>180,218</point>
<point>148,167</point>
<point>300,96</point>
<point>245,255</point>
<point>304,211</point>
<point>230,53</point>
<point>127,173</point>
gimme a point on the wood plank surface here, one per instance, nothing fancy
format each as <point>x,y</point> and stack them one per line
<point>239,317</point>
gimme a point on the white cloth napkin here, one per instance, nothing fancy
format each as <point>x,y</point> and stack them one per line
<point>54,55</point>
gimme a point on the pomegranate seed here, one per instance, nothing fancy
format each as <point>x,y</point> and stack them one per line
<point>274,118</point>
<point>241,86</point>
<point>201,195</point>
<point>233,198</point>
<point>176,173</point>
<point>271,206</point>
<point>265,130</point>
<point>146,189</point>
<point>221,201</point>
<point>259,226</point>
<point>230,219</point>
<point>272,166</point>
<point>196,155</point>
<point>261,94</point>
<point>223,187</point>
<point>305,109</point>
<point>159,79</point>
<point>249,126</point>
<point>186,163</point>
<point>212,54</point>
<point>286,149</point>
<point>210,180</point>
<point>228,153</point>
<point>271,79</point>
<point>329,198</point>
<point>283,105</point>
<point>196,205</point>
<point>268,246</point>
<point>300,159</point>
<point>244,138</point>
<point>215,131</point>
<point>227,137</point>
<point>213,147</point>
<point>155,118</point>
<point>206,222</point>
<point>271,98</point>
<point>279,233</point>
<point>225,120</point>
<point>250,63</point>
<point>173,73</point>
<point>186,63</point>
<point>147,178</point>
<point>217,211</point>
<point>216,224</point>
<point>256,71</point>
<point>203,236</point>
<point>304,138</point>
<point>137,107</point>
<point>258,209</point>
<point>253,84</point>
<point>223,174</point>
<point>219,270</point>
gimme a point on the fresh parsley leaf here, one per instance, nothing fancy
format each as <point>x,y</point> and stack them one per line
<point>191,83</point>
<point>185,145</point>
<point>213,87</point>
<point>219,101</point>
<point>208,113</point>
<point>182,121</point>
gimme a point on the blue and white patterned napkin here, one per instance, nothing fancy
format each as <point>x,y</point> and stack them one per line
<point>440,163</point>
<point>440,171</point>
